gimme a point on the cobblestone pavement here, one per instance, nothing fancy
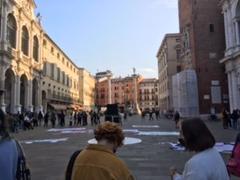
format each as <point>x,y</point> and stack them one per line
<point>148,160</point>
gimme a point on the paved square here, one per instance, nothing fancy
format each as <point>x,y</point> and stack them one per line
<point>148,160</point>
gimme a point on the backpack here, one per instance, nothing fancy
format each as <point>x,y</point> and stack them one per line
<point>233,165</point>
<point>69,170</point>
<point>23,172</point>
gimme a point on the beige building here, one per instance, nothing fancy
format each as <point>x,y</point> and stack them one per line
<point>148,94</point>
<point>168,65</point>
<point>60,83</point>
<point>87,89</point>
<point>35,74</point>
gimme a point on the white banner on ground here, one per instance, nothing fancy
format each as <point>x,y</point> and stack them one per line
<point>145,126</point>
<point>127,141</point>
<point>44,141</point>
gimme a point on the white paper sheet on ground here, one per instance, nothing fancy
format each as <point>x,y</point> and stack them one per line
<point>127,141</point>
<point>44,141</point>
<point>77,132</point>
<point>145,126</point>
<point>65,129</point>
<point>131,130</point>
<point>219,146</point>
<point>158,133</point>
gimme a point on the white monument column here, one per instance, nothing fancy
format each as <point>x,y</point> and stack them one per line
<point>109,90</point>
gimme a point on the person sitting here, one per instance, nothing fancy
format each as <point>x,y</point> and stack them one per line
<point>233,165</point>
<point>98,161</point>
<point>207,163</point>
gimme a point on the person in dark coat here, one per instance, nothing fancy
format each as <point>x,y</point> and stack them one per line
<point>176,118</point>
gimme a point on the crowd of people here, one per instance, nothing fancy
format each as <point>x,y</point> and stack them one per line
<point>31,120</point>
<point>96,161</point>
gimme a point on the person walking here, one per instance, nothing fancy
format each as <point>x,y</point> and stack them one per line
<point>176,118</point>
<point>99,161</point>
<point>46,116</point>
<point>206,162</point>
<point>225,118</point>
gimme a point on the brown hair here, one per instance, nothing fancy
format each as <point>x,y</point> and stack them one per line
<point>110,132</point>
<point>197,136</point>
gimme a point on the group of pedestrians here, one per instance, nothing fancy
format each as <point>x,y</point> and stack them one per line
<point>31,120</point>
<point>152,114</point>
<point>231,120</point>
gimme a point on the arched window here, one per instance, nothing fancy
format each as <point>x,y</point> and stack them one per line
<point>25,40</point>
<point>11,31</point>
<point>35,48</point>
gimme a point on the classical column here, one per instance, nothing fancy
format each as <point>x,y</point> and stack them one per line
<point>17,94</point>
<point>109,90</point>
<point>235,92</point>
<point>230,90</point>
<point>137,109</point>
<point>28,96</point>
<point>236,32</point>
<point>39,97</point>
<point>226,29</point>
<point>2,88</point>
<point>4,25</point>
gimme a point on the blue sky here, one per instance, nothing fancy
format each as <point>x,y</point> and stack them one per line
<point>110,34</point>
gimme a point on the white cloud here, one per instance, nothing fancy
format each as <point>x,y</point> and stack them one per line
<point>147,72</point>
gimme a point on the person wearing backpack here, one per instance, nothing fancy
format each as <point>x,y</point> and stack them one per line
<point>99,161</point>
<point>233,164</point>
<point>12,160</point>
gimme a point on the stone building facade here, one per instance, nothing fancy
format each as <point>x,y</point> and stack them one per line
<point>60,82</point>
<point>103,88</point>
<point>34,72</point>
<point>123,91</point>
<point>20,57</point>
<point>148,94</point>
<point>168,65</point>
<point>87,89</point>
<point>231,13</point>
<point>202,46</point>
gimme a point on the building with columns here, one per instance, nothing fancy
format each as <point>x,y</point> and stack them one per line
<point>168,65</point>
<point>35,73</point>
<point>123,91</point>
<point>20,56</point>
<point>231,60</point>
<point>103,88</point>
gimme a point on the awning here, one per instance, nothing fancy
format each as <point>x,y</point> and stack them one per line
<point>75,107</point>
<point>58,106</point>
